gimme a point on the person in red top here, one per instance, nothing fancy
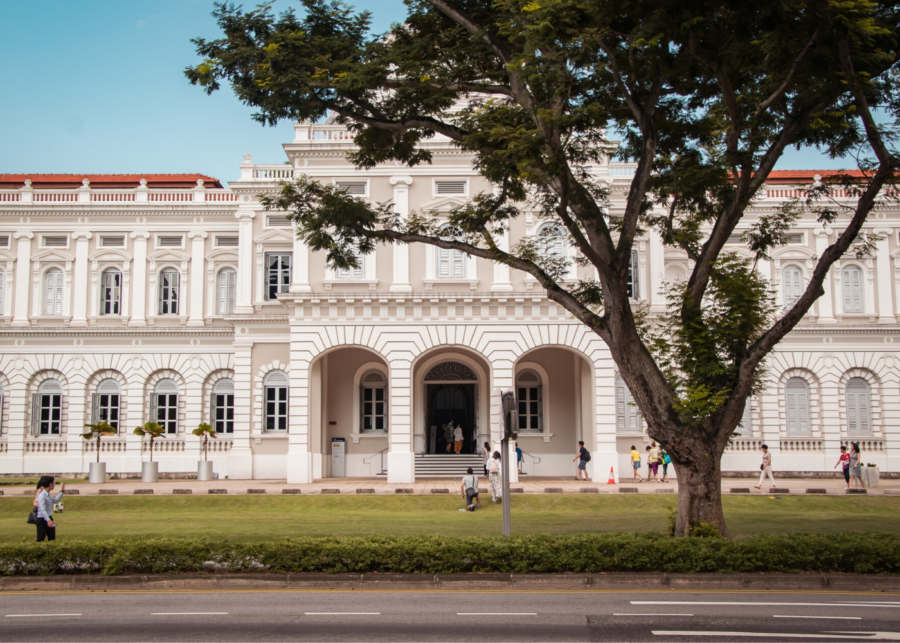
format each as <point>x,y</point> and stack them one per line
<point>845,460</point>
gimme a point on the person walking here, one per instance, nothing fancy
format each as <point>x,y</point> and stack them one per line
<point>457,439</point>
<point>653,463</point>
<point>46,526</point>
<point>666,461</point>
<point>469,489</point>
<point>583,456</point>
<point>494,477</point>
<point>855,464</point>
<point>636,465</point>
<point>519,457</point>
<point>486,456</point>
<point>766,467</point>
<point>844,461</point>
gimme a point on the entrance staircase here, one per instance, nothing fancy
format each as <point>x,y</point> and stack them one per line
<point>446,465</point>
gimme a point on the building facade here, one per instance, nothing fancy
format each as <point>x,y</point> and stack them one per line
<point>173,298</point>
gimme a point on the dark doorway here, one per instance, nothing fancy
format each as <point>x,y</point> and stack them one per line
<point>448,402</point>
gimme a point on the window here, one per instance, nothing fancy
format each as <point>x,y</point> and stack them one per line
<point>46,409</point>
<point>354,273</point>
<point>851,281</point>
<point>792,282</point>
<point>451,264</point>
<point>628,419</point>
<point>373,402</point>
<point>450,187</point>
<point>221,406</point>
<point>225,291</point>
<point>56,242</point>
<point>746,426</point>
<point>105,403</point>
<point>355,188</point>
<point>228,242</point>
<point>110,292</point>
<point>169,242</point>
<point>796,393</point>
<point>164,405</point>
<point>278,273</point>
<point>112,242</point>
<point>529,398</point>
<point>169,281</point>
<point>275,392</point>
<point>551,241</point>
<point>53,293</point>
<point>278,222</point>
<point>858,396</point>
<point>4,241</point>
<point>633,287</point>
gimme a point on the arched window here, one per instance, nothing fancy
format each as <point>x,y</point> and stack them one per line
<point>551,241</point>
<point>226,286</point>
<point>859,404</point>
<point>373,402</point>
<point>354,273</point>
<point>110,292</point>
<point>451,264</point>
<point>530,398</point>
<point>633,287</point>
<point>275,396</point>
<point>169,291</point>
<point>53,293</point>
<point>796,402</point>
<point>221,406</point>
<point>746,425</point>
<point>164,405</point>
<point>628,420</point>
<point>851,282</point>
<point>792,284</point>
<point>105,403</point>
<point>46,408</point>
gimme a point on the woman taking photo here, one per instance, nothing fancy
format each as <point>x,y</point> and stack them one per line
<point>46,526</point>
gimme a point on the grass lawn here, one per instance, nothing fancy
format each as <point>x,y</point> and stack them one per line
<point>252,518</point>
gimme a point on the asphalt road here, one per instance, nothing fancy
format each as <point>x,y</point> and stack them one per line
<point>448,616</point>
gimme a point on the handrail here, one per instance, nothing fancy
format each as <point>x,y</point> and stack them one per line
<point>381,456</point>
<point>534,460</point>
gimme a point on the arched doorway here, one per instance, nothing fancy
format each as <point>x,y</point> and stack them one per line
<point>451,396</point>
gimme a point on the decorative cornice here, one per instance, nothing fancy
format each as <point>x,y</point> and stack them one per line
<point>63,331</point>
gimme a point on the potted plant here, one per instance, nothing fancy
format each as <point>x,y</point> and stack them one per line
<point>204,466</point>
<point>150,470</point>
<point>97,473</point>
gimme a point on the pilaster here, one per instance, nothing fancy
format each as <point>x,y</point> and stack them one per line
<point>401,458</point>
<point>244,295</point>
<point>198,243</point>
<point>23,277</point>
<point>401,250</point>
<point>80,278</point>
<point>139,279</point>
<point>884,277</point>
<point>826,301</point>
<point>240,457</point>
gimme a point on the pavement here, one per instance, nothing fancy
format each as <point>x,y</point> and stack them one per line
<point>427,486</point>
<point>469,615</point>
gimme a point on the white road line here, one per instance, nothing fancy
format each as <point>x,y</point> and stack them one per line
<point>652,614</point>
<point>37,615</point>
<point>729,603</point>
<point>342,613</point>
<point>844,636</point>
<point>839,618</point>
<point>496,613</point>
<point>189,614</point>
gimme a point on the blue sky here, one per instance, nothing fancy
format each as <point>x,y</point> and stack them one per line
<point>97,86</point>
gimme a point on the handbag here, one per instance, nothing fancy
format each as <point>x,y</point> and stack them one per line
<point>762,467</point>
<point>32,517</point>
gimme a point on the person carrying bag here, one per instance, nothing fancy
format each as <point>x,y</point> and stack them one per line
<point>46,526</point>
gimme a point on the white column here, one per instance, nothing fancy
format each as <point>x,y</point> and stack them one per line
<point>299,457</point>
<point>884,276</point>
<point>656,267</point>
<point>300,265</point>
<point>139,280</point>
<point>401,458</point>
<point>23,277</point>
<point>401,250</point>
<point>826,301</point>
<point>198,245</point>
<point>501,270</point>
<point>244,303</point>
<point>240,456</point>
<point>80,278</point>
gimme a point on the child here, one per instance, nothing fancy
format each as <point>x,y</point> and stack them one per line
<point>845,461</point>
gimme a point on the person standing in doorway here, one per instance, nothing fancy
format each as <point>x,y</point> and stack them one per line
<point>46,526</point>
<point>469,489</point>
<point>636,465</point>
<point>766,467</point>
<point>494,477</point>
<point>448,436</point>
<point>583,456</point>
<point>519,457</point>
<point>457,439</point>
<point>856,464</point>
<point>486,456</point>
<point>844,461</point>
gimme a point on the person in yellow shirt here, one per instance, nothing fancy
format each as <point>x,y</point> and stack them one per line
<point>636,464</point>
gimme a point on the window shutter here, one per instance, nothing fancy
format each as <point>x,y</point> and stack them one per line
<point>634,267</point>
<point>459,263</point>
<point>803,412</point>
<point>35,414</point>
<point>362,406</point>
<point>222,293</point>
<point>862,405</point>
<point>173,292</point>
<point>540,400</point>
<point>2,290</point>
<point>153,408</point>
<point>847,289</point>
<point>1,414</point>
<point>95,408</point>
<point>161,288</point>
<point>443,260</point>
<point>230,294</point>
<point>620,406</point>
<point>212,409</point>
<point>857,291</point>
<point>852,413</point>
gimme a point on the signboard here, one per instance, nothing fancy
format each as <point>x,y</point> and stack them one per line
<point>337,457</point>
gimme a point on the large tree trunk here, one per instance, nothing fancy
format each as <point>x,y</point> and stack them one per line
<point>700,494</point>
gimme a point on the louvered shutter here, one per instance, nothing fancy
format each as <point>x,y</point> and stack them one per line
<point>1,414</point>
<point>222,293</point>
<point>161,290</point>
<point>212,410</point>
<point>858,407</point>
<point>35,414</point>
<point>863,405</point>
<point>95,408</point>
<point>620,406</point>
<point>634,268</point>
<point>362,406</point>
<point>745,427</point>
<point>230,295</point>
<point>540,401</point>
<point>2,290</point>
<point>153,408</point>
<point>443,263</point>
<point>174,284</point>
<point>459,263</point>
<point>792,280</point>
<point>851,277</point>
<point>803,411</point>
<point>857,300</point>
<point>797,407</point>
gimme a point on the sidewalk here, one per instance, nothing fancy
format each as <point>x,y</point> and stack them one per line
<point>428,486</point>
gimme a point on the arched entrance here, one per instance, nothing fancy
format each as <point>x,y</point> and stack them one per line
<point>451,399</point>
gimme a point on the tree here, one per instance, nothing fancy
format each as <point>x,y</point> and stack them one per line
<point>707,96</point>
<point>206,432</point>
<point>150,430</point>
<point>97,431</point>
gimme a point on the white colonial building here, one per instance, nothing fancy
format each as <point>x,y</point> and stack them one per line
<point>169,297</point>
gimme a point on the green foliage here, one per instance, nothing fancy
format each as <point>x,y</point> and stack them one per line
<point>206,432</point>
<point>151,430</point>
<point>97,431</point>
<point>606,553</point>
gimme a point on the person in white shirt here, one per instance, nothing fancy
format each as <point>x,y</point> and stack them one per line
<point>469,489</point>
<point>457,439</point>
<point>46,526</point>
<point>766,467</point>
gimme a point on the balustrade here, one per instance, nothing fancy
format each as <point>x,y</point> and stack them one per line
<point>46,446</point>
<point>744,445</point>
<point>167,445</point>
<point>866,445</point>
<point>802,445</point>
<point>109,445</point>
<point>273,173</point>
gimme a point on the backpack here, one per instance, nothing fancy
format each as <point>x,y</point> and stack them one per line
<point>587,455</point>
<point>493,466</point>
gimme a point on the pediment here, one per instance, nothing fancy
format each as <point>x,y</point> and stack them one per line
<point>7,256</point>
<point>275,235</point>
<point>169,255</point>
<point>223,253</point>
<point>52,255</point>
<point>793,252</point>
<point>445,204</point>
<point>110,255</point>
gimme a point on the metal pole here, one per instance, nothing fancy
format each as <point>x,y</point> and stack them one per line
<point>504,460</point>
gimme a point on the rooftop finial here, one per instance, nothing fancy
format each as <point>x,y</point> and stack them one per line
<point>248,158</point>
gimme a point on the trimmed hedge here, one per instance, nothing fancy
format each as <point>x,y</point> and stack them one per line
<point>624,552</point>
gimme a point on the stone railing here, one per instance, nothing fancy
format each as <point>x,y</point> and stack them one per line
<point>278,172</point>
<point>164,445</point>
<point>866,445</point>
<point>139,194</point>
<point>809,444</point>
<point>218,446</point>
<point>107,445</point>
<point>46,446</point>
<point>744,445</point>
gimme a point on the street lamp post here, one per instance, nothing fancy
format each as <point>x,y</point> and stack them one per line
<point>510,428</point>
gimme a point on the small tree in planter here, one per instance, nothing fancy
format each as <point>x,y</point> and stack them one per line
<point>151,430</point>
<point>97,431</point>
<point>206,432</point>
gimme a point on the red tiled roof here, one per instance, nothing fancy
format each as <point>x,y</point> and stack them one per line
<point>70,181</point>
<point>781,177</point>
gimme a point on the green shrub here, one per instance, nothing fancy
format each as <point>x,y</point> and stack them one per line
<point>624,552</point>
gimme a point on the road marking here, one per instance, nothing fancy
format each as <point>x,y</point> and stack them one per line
<point>840,618</point>
<point>855,636</point>
<point>496,613</point>
<point>652,614</point>
<point>38,615</point>
<point>188,613</point>
<point>342,613</point>
<point>873,604</point>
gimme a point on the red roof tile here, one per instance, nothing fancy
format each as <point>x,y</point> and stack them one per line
<point>70,181</point>
<point>782,177</point>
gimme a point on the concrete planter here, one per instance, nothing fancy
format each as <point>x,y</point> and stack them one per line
<point>870,476</point>
<point>97,473</point>
<point>204,470</point>
<point>150,472</point>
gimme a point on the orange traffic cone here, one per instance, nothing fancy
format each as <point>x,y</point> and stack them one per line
<point>612,478</point>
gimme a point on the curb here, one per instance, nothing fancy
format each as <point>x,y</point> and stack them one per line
<point>450,582</point>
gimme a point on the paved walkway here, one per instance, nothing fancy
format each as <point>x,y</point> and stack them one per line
<point>378,486</point>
